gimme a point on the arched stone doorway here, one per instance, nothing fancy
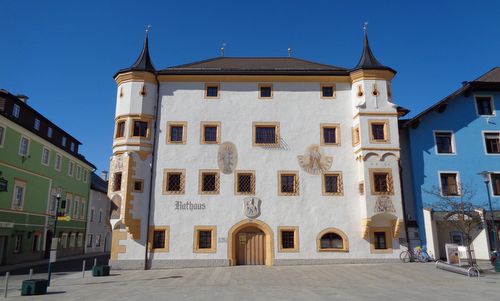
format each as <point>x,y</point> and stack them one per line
<point>250,242</point>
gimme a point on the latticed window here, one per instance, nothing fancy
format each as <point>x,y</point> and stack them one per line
<point>288,183</point>
<point>330,135</point>
<point>331,241</point>
<point>140,128</point>
<point>287,239</point>
<point>265,135</point>
<point>449,184</point>
<point>492,141</point>
<point>159,239</point>
<point>443,143</point>
<point>380,242</point>
<point>209,182</point>
<point>174,182</point>
<point>382,182</point>
<point>378,131</point>
<point>332,183</point>
<point>245,183</point>
<point>204,239</point>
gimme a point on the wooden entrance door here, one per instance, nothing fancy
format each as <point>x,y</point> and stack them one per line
<point>251,247</point>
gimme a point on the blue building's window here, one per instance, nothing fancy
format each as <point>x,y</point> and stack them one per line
<point>492,141</point>
<point>484,105</point>
<point>449,184</point>
<point>443,143</point>
<point>495,182</point>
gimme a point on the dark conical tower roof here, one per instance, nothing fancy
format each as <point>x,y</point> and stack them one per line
<point>368,60</point>
<point>143,62</point>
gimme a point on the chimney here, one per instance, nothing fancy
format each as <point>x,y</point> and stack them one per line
<point>105,175</point>
<point>22,98</point>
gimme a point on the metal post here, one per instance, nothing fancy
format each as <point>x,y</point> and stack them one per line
<point>6,284</point>
<point>495,240</point>
<point>31,274</point>
<point>49,270</point>
<point>83,269</point>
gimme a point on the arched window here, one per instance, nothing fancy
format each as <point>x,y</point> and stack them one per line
<point>332,240</point>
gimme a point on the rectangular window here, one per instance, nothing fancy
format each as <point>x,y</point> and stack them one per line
<point>49,132</point>
<point>332,184</point>
<point>355,136</point>
<point>265,133</point>
<point>100,216</point>
<point>212,91</point>
<point>16,110</point>
<point>328,91</point>
<point>18,195</point>
<point>63,141</point>
<point>120,129</point>
<point>288,183</point>
<point>117,181</point>
<point>205,239</point>
<point>89,240</point>
<point>379,131</point>
<point>210,132</point>
<point>71,167</point>
<point>492,141</point>
<point>449,184</point>
<point>64,240</point>
<point>173,181</point>
<point>72,146</point>
<point>244,182</point>
<point>380,242</point>
<point>18,243</point>
<point>37,124</point>
<point>159,239</point>
<point>53,201</point>
<point>2,135</point>
<point>330,134</point>
<point>57,163</point>
<point>72,240</point>
<point>444,143</point>
<point>484,105</point>
<point>24,144</point>
<point>82,209</point>
<point>176,132</point>
<point>98,240</point>
<point>138,185</point>
<point>381,181</point>
<point>78,172</point>
<point>69,200</point>
<point>140,128</point>
<point>45,156</point>
<point>209,182</point>
<point>288,239</point>
<point>79,240</point>
<point>265,91</point>
<point>85,175</point>
<point>92,214</point>
<point>76,206</point>
<point>36,241</point>
<point>495,183</point>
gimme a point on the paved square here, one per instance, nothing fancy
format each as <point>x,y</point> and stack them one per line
<point>333,282</point>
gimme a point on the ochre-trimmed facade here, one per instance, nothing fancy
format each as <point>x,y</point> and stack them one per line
<point>273,184</point>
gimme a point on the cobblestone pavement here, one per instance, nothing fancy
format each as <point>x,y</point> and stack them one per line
<point>333,282</point>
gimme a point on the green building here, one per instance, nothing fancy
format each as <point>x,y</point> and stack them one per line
<point>38,162</point>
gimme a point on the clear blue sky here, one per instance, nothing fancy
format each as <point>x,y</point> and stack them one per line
<point>63,54</point>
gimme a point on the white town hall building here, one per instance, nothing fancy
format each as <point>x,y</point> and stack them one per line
<point>244,160</point>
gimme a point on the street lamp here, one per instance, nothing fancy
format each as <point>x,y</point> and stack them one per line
<point>53,246</point>
<point>486,178</point>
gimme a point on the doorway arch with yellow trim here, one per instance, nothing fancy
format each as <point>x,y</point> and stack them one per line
<point>269,239</point>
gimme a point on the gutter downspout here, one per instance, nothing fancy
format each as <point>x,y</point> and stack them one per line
<point>146,248</point>
<point>403,202</point>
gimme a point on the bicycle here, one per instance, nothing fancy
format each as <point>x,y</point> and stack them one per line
<point>417,255</point>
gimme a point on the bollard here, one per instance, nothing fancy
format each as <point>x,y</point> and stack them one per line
<point>6,284</point>
<point>31,274</point>
<point>95,261</point>
<point>83,269</point>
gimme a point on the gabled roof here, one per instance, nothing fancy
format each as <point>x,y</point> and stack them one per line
<point>97,183</point>
<point>368,61</point>
<point>488,81</point>
<point>255,65</point>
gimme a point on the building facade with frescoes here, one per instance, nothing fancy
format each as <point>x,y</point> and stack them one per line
<point>244,160</point>
<point>38,161</point>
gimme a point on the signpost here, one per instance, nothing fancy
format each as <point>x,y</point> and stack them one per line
<point>53,245</point>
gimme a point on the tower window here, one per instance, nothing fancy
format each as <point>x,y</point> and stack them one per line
<point>117,182</point>
<point>120,129</point>
<point>449,184</point>
<point>381,181</point>
<point>140,128</point>
<point>379,131</point>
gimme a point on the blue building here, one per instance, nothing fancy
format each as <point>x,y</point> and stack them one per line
<point>444,148</point>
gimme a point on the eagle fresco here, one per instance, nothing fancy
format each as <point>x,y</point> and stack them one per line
<point>314,160</point>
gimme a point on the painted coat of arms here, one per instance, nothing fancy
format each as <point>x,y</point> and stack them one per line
<point>251,207</point>
<point>227,157</point>
<point>384,204</point>
<point>314,160</point>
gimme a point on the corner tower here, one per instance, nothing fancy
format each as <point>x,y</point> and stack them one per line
<point>376,147</point>
<point>131,163</point>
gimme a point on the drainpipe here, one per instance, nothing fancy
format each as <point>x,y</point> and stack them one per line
<point>146,267</point>
<point>403,202</point>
